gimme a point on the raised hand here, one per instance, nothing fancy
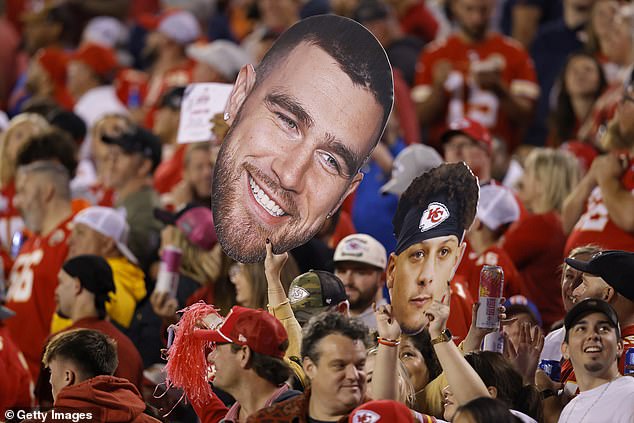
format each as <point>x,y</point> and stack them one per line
<point>386,324</point>
<point>525,355</point>
<point>273,263</point>
<point>438,312</point>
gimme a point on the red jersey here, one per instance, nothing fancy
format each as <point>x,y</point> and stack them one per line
<point>461,305</point>
<point>16,389</point>
<point>596,227</point>
<point>465,97</point>
<point>158,85</point>
<point>31,293</point>
<point>535,244</point>
<point>473,263</point>
<point>170,172</point>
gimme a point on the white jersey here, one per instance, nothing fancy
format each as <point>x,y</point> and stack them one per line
<point>611,402</point>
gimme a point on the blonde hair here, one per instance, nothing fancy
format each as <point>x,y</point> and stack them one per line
<point>557,172</point>
<point>7,164</point>
<point>406,393</point>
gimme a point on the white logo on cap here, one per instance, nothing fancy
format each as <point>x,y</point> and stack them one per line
<point>354,247</point>
<point>365,416</point>
<point>434,215</point>
<point>241,338</point>
<point>297,293</point>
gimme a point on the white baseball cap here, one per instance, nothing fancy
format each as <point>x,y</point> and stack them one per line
<point>224,56</point>
<point>361,248</point>
<point>180,26</point>
<point>109,222</point>
<point>497,206</point>
<point>106,31</point>
<point>410,163</point>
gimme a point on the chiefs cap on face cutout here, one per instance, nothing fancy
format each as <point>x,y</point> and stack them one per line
<point>472,129</point>
<point>257,329</point>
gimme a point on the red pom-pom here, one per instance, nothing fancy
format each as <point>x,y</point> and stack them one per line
<point>187,366</point>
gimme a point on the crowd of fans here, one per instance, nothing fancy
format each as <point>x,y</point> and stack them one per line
<point>536,97</point>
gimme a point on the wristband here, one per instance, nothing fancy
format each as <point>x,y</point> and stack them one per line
<point>547,393</point>
<point>389,342</point>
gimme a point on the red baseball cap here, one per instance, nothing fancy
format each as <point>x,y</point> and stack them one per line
<point>100,59</point>
<point>54,61</point>
<point>256,329</point>
<point>381,411</point>
<point>472,129</point>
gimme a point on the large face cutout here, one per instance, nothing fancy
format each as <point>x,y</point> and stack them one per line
<point>418,276</point>
<point>292,154</point>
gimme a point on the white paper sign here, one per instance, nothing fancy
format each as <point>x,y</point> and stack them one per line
<point>201,102</point>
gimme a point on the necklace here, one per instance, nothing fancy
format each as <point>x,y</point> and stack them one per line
<point>593,403</point>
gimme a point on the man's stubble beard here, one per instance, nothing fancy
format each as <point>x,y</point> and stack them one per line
<point>239,235</point>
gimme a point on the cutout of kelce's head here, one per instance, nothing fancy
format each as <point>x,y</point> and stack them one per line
<point>300,129</point>
<point>430,223</point>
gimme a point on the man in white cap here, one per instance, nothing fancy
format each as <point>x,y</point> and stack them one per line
<point>497,210</point>
<point>360,261</point>
<point>164,54</point>
<point>103,231</point>
<point>218,61</point>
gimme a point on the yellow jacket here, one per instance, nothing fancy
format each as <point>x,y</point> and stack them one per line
<point>129,282</point>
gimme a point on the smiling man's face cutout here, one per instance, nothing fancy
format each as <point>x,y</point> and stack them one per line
<point>300,130</point>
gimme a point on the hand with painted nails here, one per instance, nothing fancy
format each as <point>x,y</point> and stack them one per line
<point>386,324</point>
<point>475,336</point>
<point>438,313</point>
<point>273,263</point>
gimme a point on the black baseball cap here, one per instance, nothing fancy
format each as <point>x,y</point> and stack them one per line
<point>94,274</point>
<point>313,292</point>
<point>173,98</point>
<point>370,10</point>
<point>138,140</point>
<point>615,267</point>
<point>589,306</point>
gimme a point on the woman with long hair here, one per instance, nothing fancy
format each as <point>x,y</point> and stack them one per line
<point>536,242</point>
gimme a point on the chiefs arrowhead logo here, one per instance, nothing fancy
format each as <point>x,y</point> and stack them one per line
<point>365,416</point>
<point>297,294</point>
<point>434,215</point>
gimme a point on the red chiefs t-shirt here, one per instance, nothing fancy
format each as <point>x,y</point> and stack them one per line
<point>596,227</point>
<point>535,244</point>
<point>16,389</point>
<point>473,263</point>
<point>170,171</point>
<point>31,293</point>
<point>465,97</point>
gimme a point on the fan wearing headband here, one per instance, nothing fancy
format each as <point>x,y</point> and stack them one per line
<point>430,223</point>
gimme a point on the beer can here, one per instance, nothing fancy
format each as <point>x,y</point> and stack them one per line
<point>493,341</point>
<point>168,275</point>
<point>629,362</point>
<point>491,286</point>
<point>552,368</point>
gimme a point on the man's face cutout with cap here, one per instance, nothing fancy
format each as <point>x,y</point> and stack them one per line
<point>292,154</point>
<point>427,255</point>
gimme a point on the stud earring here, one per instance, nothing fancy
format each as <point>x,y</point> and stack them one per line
<point>226,116</point>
